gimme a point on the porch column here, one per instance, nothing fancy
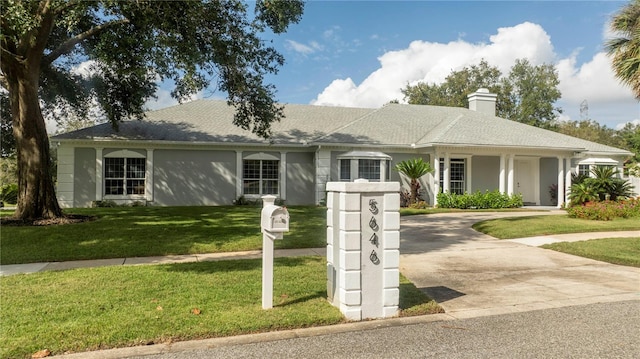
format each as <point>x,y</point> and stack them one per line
<point>99,172</point>
<point>283,175</point>
<point>510,177</point>
<point>436,178</point>
<point>567,182</point>
<point>446,185</point>
<point>503,173</point>
<point>383,171</point>
<point>468,175</point>
<point>149,177</point>
<point>323,173</point>
<point>560,188</point>
<point>239,173</point>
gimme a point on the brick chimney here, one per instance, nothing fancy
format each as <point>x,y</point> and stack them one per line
<point>483,101</point>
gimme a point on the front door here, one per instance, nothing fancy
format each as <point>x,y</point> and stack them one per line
<point>525,178</point>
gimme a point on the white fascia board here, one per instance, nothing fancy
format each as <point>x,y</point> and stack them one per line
<point>459,145</point>
<point>101,142</point>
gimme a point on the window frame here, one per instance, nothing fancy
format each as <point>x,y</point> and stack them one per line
<point>129,181</point>
<point>264,176</point>
<point>349,171</point>
<point>461,184</point>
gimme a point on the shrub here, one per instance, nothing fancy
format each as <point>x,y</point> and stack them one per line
<point>582,193</point>
<point>103,204</point>
<point>479,200</point>
<point>419,205</point>
<point>9,193</point>
<point>606,210</point>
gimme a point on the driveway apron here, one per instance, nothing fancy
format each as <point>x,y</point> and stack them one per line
<point>471,274</point>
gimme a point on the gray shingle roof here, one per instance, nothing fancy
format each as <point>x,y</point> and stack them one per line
<point>392,125</point>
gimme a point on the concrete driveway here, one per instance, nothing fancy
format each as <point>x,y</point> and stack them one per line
<point>471,274</point>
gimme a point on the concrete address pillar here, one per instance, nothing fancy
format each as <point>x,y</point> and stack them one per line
<point>363,242</point>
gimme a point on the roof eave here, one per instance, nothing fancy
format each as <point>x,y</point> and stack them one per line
<point>119,141</point>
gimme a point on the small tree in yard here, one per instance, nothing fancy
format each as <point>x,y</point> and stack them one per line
<point>130,46</point>
<point>414,169</point>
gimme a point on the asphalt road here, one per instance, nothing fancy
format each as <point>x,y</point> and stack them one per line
<point>603,330</point>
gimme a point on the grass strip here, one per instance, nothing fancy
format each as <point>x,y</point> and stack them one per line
<point>155,231</point>
<point>623,251</point>
<point>519,227</point>
<point>107,307</point>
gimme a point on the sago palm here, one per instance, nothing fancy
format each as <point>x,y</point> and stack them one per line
<point>582,193</point>
<point>625,48</point>
<point>414,169</point>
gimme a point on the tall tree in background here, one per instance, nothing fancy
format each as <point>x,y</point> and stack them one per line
<point>630,134</point>
<point>625,48</point>
<point>527,94</point>
<point>457,85</point>
<point>591,130</point>
<point>131,45</point>
<point>534,92</point>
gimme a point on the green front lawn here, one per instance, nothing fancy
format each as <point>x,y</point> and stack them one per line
<point>106,307</point>
<point>519,227</point>
<point>623,251</point>
<point>154,231</point>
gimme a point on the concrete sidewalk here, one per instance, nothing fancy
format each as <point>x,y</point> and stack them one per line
<point>207,257</point>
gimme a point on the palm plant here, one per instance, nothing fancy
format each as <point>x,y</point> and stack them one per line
<point>602,180</point>
<point>625,48</point>
<point>603,183</point>
<point>620,189</point>
<point>578,177</point>
<point>414,169</point>
<point>582,193</point>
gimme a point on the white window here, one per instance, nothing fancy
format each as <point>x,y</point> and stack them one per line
<point>585,166</point>
<point>369,169</point>
<point>260,177</point>
<point>345,170</point>
<point>457,182</point>
<point>583,170</point>
<point>362,164</point>
<point>124,176</point>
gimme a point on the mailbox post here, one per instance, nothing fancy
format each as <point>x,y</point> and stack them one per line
<point>274,221</point>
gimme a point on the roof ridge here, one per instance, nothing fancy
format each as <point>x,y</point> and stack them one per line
<point>445,130</point>
<point>348,124</point>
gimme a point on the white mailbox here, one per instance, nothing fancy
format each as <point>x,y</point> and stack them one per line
<point>275,219</point>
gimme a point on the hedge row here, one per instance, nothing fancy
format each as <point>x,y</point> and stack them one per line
<point>479,200</point>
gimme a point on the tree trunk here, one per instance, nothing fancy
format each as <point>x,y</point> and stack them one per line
<point>414,191</point>
<point>36,196</point>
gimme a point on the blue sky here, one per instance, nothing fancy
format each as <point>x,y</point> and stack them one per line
<point>360,53</point>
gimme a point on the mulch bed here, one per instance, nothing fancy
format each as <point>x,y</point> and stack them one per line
<point>65,219</point>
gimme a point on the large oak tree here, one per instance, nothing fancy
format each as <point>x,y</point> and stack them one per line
<point>132,45</point>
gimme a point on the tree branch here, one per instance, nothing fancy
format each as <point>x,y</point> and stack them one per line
<point>65,6</point>
<point>26,40</point>
<point>68,45</point>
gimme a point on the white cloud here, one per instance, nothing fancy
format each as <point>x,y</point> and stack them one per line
<point>634,122</point>
<point>610,102</point>
<point>593,81</point>
<point>85,68</point>
<point>302,48</point>
<point>432,62</point>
